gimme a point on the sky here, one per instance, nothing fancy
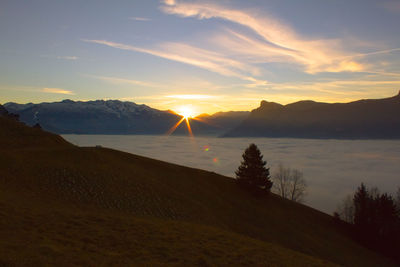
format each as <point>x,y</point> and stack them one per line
<point>208,55</point>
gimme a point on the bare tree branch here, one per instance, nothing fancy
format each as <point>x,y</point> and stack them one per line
<point>289,183</point>
<point>299,185</point>
<point>346,209</point>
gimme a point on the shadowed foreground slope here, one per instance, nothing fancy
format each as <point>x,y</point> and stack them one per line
<point>69,205</point>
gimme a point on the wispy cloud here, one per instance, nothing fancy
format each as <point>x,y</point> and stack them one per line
<point>61,57</point>
<point>194,56</point>
<point>198,97</point>
<point>247,40</point>
<point>335,90</point>
<point>57,91</point>
<point>280,41</point>
<point>392,6</point>
<point>140,19</point>
<point>68,57</point>
<point>385,51</point>
<point>117,80</point>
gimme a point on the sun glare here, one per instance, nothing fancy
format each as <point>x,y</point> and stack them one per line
<point>186,111</point>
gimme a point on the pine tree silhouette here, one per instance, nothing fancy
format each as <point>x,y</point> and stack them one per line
<point>252,172</point>
<point>362,204</point>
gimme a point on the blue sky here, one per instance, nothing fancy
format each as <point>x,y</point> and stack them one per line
<point>210,55</point>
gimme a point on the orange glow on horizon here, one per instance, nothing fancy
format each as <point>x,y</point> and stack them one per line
<point>186,111</point>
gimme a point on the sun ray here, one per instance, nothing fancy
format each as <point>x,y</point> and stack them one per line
<point>187,114</point>
<point>189,128</point>
<point>173,128</point>
<point>199,119</point>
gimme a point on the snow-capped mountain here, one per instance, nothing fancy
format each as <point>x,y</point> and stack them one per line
<point>98,117</point>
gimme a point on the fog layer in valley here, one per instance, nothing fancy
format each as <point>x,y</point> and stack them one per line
<point>332,168</point>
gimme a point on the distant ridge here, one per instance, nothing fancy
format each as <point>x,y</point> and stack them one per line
<point>103,117</point>
<point>363,119</point>
<point>224,120</point>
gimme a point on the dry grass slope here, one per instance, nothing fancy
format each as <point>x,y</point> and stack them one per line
<point>65,236</point>
<point>69,205</point>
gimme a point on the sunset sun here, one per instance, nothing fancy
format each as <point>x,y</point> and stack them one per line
<point>186,112</point>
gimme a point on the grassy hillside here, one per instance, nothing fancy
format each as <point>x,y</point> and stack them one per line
<point>64,235</point>
<point>69,205</point>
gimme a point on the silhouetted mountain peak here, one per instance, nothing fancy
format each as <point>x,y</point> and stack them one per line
<point>203,115</point>
<point>265,105</point>
<point>304,105</point>
<point>367,118</point>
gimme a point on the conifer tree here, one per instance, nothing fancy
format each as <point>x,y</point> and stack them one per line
<point>252,172</point>
<point>398,200</point>
<point>362,205</point>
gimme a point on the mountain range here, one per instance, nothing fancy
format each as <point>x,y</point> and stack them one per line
<point>363,119</point>
<point>107,117</point>
<point>94,117</point>
<point>224,121</point>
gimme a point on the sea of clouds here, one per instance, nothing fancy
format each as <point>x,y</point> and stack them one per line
<point>333,168</point>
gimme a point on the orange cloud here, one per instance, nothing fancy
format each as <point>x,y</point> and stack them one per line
<point>116,80</point>
<point>191,96</point>
<point>280,42</point>
<point>57,91</point>
<point>139,19</point>
<point>195,56</point>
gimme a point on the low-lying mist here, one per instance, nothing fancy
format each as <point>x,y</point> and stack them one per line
<point>332,168</point>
